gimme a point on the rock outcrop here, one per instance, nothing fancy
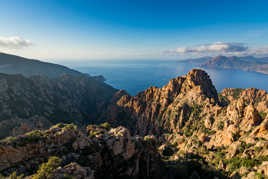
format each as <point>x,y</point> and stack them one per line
<point>167,108</point>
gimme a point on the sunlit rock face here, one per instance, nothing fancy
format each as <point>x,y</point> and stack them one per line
<point>168,108</point>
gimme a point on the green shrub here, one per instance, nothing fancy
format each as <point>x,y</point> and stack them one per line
<point>223,99</point>
<point>262,114</point>
<point>237,92</point>
<point>244,146</point>
<point>236,136</point>
<point>188,132</point>
<point>70,127</point>
<point>34,136</point>
<point>66,176</point>
<point>196,110</point>
<point>9,139</point>
<point>220,125</point>
<point>14,176</point>
<point>106,125</point>
<point>207,130</point>
<point>263,158</point>
<point>60,125</point>
<point>46,169</point>
<point>259,175</point>
<point>237,162</point>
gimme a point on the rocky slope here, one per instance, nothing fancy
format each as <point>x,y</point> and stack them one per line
<point>227,130</point>
<point>39,102</point>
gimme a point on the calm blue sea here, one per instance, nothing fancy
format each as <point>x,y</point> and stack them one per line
<point>136,76</point>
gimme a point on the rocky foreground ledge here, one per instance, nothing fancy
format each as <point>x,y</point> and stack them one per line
<point>99,153</point>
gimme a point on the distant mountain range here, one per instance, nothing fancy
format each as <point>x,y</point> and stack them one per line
<point>246,63</point>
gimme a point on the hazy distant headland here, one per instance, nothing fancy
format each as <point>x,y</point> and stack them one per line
<point>245,63</point>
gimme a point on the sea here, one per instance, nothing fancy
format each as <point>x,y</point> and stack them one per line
<point>136,76</point>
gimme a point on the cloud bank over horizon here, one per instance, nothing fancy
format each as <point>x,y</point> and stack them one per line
<point>14,42</point>
<point>218,48</point>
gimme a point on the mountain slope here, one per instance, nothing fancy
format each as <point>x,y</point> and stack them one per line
<point>11,64</point>
<point>39,102</point>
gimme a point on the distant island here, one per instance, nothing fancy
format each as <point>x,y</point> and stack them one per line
<point>246,63</point>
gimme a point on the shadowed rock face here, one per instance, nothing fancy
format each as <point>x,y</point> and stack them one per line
<point>39,102</point>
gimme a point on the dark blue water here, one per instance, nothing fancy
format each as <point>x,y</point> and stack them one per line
<point>136,76</point>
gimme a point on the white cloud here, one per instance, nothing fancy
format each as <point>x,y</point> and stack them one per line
<point>14,42</point>
<point>218,47</point>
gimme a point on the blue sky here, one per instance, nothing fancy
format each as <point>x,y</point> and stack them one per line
<point>133,29</point>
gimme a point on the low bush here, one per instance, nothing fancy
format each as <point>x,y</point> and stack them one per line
<point>14,176</point>
<point>105,125</point>
<point>262,114</point>
<point>46,169</point>
<point>220,125</point>
<point>238,162</point>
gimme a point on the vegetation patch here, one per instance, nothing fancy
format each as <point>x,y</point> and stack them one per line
<point>70,127</point>
<point>244,146</point>
<point>34,136</point>
<point>207,130</point>
<point>15,176</point>
<point>238,162</point>
<point>220,125</point>
<point>9,139</point>
<point>46,169</point>
<point>237,92</point>
<point>262,114</point>
<point>259,175</point>
<point>236,136</point>
<point>223,99</point>
<point>105,125</point>
<point>196,110</point>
